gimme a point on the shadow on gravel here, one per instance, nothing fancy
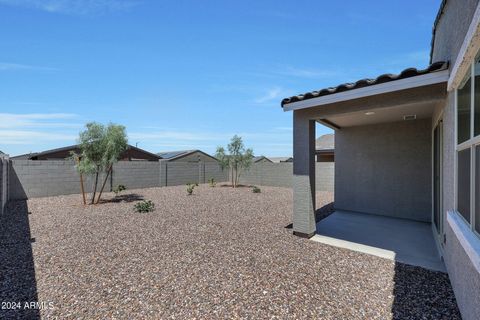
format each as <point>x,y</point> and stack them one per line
<point>17,272</point>
<point>131,197</point>
<point>422,294</point>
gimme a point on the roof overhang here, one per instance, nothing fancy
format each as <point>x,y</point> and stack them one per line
<point>377,89</point>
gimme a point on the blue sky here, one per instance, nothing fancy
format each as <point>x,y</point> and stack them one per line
<point>190,74</point>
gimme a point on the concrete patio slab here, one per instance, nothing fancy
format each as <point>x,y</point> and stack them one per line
<point>402,240</point>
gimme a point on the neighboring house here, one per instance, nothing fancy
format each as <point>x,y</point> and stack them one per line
<point>407,146</point>
<point>280,159</point>
<point>261,159</point>
<point>187,156</point>
<point>325,148</point>
<point>131,154</point>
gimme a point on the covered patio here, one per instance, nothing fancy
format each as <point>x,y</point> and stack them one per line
<point>387,196</point>
<point>401,240</point>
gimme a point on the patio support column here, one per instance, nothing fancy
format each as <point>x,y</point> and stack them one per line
<point>303,175</point>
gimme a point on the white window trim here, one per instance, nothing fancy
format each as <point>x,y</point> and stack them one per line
<point>467,239</point>
<point>470,144</point>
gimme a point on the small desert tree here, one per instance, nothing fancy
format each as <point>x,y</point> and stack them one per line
<point>237,159</point>
<point>100,147</point>
<point>115,144</point>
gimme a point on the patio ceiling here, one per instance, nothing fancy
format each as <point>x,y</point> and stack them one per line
<point>423,110</point>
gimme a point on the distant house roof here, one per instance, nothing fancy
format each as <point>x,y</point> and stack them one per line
<point>280,159</point>
<point>325,142</point>
<point>407,73</point>
<point>260,158</point>
<point>172,155</point>
<point>132,153</point>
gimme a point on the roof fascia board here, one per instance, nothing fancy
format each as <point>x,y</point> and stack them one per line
<point>470,47</point>
<point>391,86</point>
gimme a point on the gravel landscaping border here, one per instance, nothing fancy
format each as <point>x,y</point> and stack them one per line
<point>220,253</point>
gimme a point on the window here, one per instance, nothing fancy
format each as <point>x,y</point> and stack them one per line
<point>468,147</point>
<point>477,187</point>
<point>477,98</point>
<point>463,182</point>
<point>464,108</point>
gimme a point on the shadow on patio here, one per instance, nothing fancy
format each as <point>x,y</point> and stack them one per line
<point>17,271</point>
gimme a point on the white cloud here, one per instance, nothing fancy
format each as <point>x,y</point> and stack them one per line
<point>75,7</point>
<point>36,120</point>
<point>306,73</point>
<point>175,136</point>
<point>37,129</point>
<point>270,95</point>
<point>7,66</point>
<point>27,137</point>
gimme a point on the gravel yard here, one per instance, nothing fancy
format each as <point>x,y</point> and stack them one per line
<point>220,253</point>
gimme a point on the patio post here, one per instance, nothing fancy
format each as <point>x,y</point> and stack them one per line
<point>303,175</point>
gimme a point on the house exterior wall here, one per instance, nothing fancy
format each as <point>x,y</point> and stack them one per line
<point>452,28</point>
<point>281,175</point>
<point>464,277</point>
<point>384,169</point>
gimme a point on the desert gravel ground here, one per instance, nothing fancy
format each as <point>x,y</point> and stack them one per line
<point>221,253</point>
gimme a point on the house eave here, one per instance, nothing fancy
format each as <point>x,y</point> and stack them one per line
<point>392,86</point>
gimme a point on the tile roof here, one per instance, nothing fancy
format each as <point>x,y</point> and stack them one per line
<point>407,73</point>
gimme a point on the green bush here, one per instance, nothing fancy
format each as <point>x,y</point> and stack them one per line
<point>119,189</point>
<point>256,189</point>
<point>190,187</point>
<point>144,206</point>
<point>212,182</point>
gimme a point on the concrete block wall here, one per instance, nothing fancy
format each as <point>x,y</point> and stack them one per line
<point>4,196</point>
<point>136,174</point>
<point>281,175</point>
<point>42,178</point>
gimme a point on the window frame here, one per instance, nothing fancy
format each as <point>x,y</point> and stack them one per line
<point>472,143</point>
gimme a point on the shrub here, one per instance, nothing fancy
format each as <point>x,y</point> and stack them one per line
<point>119,189</point>
<point>212,182</point>
<point>190,187</point>
<point>144,206</point>
<point>256,189</point>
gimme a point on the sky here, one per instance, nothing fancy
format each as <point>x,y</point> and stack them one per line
<point>190,74</point>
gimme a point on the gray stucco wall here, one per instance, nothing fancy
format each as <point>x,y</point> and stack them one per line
<point>281,175</point>
<point>465,279</point>
<point>452,28</point>
<point>385,169</point>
